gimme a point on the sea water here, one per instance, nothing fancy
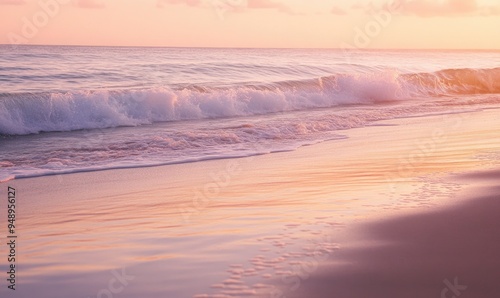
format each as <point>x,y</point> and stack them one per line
<point>67,109</point>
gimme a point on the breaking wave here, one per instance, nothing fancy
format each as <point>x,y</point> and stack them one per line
<point>22,114</point>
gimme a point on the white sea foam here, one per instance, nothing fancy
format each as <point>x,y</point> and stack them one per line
<point>32,113</point>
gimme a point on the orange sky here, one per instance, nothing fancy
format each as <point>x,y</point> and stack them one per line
<point>458,24</point>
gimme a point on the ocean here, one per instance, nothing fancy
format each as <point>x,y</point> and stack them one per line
<point>245,207</point>
<point>66,109</point>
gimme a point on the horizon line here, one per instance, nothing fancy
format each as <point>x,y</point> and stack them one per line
<point>255,48</point>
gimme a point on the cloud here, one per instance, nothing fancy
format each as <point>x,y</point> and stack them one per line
<point>92,4</point>
<point>267,4</point>
<point>232,5</point>
<point>369,7</point>
<point>12,2</point>
<point>429,8</point>
<point>434,8</point>
<point>336,10</point>
<point>161,3</point>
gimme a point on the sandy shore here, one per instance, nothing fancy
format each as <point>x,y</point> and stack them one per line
<point>238,227</point>
<point>449,252</point>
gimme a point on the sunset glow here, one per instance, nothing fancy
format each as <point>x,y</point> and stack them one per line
<point>249,148</point>
<point>420,24</point>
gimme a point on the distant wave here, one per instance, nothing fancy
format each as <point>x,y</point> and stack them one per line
<point>454,82</point>
<point>22,114</point>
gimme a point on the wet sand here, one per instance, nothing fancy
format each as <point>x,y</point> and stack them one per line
<point>450,252</point>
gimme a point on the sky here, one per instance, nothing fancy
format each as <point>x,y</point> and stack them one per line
<point>362,24</point>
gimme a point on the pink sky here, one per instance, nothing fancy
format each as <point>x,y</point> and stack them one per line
<point>460,24</point>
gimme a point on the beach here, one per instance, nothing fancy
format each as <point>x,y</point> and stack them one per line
<point>249,149</point>
<point>387,210</point>
<point>448,252</point>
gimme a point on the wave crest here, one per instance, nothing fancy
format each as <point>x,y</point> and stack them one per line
<point>33,113</point>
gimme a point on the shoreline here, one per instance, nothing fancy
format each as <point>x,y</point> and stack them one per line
<point>339,135</point>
